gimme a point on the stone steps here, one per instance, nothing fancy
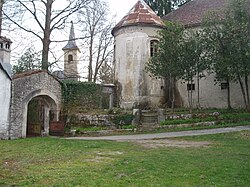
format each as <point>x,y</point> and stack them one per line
<point>147,127</point>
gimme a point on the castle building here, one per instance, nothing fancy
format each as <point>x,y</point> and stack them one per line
<point>135,37</point>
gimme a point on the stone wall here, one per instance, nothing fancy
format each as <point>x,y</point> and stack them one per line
<point>25,87</point>
<point>5,91</point>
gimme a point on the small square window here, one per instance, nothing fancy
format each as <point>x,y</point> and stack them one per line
<point>190,87</point>
<point>224,85</point>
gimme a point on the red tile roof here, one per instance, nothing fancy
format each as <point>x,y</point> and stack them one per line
<point>192,13</point>
<point>28,73</point>
<point>140,14</point>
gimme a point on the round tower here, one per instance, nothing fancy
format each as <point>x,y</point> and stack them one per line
<point>71,51</point>
<point>135,38</point>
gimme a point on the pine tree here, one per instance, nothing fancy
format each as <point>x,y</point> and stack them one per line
<point>163,7</point>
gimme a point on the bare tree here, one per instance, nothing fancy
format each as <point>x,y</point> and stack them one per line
<point>98,29</point>
<point>1,15</point>
<point>43,17</point>
<point>106,73</point>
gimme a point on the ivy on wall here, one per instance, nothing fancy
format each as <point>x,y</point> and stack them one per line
<point>81,96</point>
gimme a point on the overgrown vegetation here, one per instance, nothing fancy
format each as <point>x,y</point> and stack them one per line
<point>59,162</point>
<point>81,96</point>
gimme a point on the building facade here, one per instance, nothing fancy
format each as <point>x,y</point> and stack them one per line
<point>134,36</point>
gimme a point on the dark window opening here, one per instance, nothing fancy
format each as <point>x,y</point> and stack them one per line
<point>70,58</point>
<point>1,45</point>
<point>190,87</point>
<point>153,47</point>
<point>224,85</point>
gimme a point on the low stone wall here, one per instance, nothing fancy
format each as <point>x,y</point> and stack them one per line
<point>91,120</point>
<point>208,123</point>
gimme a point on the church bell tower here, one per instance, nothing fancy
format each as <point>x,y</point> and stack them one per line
<point>71,51</point>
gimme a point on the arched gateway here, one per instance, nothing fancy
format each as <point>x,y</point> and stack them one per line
<point>36,100</point>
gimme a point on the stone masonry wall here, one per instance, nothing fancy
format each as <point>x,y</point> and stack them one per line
<point>25,87</point>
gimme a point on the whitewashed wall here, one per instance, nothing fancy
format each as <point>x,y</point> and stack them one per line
<point>5,95</point>
<point>132,51</point>
<point>211,94</point>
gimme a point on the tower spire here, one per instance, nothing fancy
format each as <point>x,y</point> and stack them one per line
<point>72,40</point>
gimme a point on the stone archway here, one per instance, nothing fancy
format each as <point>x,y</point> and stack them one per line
<point>38,86</point>
<point>40,111</point>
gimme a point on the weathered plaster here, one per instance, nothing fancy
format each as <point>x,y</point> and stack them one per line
<point>132,52</point>
<point>211,94</point>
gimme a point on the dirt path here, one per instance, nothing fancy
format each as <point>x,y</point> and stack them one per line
<point>166,134</point>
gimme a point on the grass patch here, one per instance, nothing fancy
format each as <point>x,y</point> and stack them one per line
<point>91,128</point>
<point>59,162</point>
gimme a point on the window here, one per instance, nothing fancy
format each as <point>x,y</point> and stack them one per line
<point>153,47</point>
<point>70,58</point>
<point>1,45</point>
<point>7,46</point>
<point>224,85</point>
<point>190,87</point>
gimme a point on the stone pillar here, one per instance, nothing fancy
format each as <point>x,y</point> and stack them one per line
<point>111,101</point>
<point>137,117</point>
<point>45,131</point>
<point>161,115</point>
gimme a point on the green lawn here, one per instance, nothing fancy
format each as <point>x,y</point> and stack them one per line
<point>58,162</point>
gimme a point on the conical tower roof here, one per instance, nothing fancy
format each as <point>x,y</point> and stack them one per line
<point>140,14</point>
<point>72,40</point>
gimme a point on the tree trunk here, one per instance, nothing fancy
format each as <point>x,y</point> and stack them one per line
<point>242,91</point>
<point>173,93</point>
<point>1,15</point>
<point>198,91</point>
<point>228,96</point>
<point>90,75</point>
<point>46,39</point>
<point>247,91</point>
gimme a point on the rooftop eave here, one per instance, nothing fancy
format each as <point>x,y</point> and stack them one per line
<point>115,29</point>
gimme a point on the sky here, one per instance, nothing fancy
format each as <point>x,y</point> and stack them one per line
<point>120,7</point>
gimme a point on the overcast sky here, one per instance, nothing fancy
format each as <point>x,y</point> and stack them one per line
<point>120,7</point>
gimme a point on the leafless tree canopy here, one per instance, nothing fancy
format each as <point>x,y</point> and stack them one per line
<point>41,17</point>
<point>95,23</point>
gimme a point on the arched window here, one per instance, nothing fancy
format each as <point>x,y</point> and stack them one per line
<point>153,47</point>
<point>70,58</point>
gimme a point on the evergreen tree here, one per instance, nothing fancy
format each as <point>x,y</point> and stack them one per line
<point>163,7</point>
<point>28,61</point>
<point>166,62</point>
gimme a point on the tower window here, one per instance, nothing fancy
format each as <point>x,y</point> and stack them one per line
<point>190,87</point>
<point>70,58</point>
<point>153,47</point>
<point>7,46</point>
